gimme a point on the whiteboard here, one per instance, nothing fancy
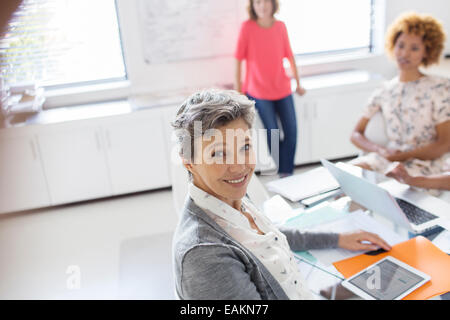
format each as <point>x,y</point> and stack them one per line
<point>174,30</point>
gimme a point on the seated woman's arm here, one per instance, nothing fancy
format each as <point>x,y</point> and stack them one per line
<point>438,181</point>
<point>215,272</point>
<point>431,182</point>
<point>302,241</point>
<point>360,140</point>
<point>430,151</point>
<point>356,240</point>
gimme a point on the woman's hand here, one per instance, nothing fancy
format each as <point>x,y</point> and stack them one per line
<point>355,241</point>
<point>238,88</point>
<point>398,156</point>
<point>237,76</point>
<point>399,173</point>
<point>392,154</point>
<point>300,90</point>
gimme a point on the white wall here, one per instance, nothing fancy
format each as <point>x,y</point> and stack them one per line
<point>192,74</point>
<point>439,9</point>
<point>168,76</point>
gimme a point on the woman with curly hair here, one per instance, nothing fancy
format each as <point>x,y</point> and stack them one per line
<point>415,106</point>
<point>263,43</point>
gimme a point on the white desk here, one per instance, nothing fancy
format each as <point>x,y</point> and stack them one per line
<point>320,276</point>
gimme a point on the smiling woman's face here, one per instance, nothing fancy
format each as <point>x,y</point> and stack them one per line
<point>226,162</point>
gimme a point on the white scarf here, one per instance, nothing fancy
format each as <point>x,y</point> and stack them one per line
<point>271,248</point>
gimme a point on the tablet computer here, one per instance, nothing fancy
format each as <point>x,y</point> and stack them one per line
<point>387,279</point>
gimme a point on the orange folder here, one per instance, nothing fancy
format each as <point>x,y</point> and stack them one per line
<point>419,253</point>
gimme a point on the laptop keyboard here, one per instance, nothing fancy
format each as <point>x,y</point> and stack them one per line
<point>414,214</point>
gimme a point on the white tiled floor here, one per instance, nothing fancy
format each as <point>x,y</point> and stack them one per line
<point>36,248</point>
<point>120,246</point>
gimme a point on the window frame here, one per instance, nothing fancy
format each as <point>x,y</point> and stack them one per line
<point>116,88</point>
<point>329,62</point>
<point>138,74</point>
<point>338,52</point>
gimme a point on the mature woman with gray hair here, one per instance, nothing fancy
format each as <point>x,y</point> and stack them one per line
<point>224,248</point>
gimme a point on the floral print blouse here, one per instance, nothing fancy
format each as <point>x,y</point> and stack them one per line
<point>411,111</point>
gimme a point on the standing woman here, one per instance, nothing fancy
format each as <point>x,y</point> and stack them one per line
<point>263,43</point>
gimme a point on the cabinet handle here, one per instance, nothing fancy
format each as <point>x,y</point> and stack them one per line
<point>315,110</point>
<point>33,149</point>
<point>97,141</point>
<point>108,140</point>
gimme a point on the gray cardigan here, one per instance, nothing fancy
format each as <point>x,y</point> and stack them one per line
<point>210,264</point>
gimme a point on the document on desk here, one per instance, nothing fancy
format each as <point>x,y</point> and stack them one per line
<point>278,210</point>
<point>312,217</point>
<point>445,224</point>
<point>304,185</point>
<point>442,241</point>
<point>357,220</point>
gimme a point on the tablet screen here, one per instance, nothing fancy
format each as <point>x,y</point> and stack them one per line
<point>387,282</point>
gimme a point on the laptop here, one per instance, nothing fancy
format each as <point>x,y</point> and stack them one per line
<point>416,211</point>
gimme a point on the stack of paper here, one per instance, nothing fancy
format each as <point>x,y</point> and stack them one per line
<point>328,219</point>
<point>278,210</point>
<point>354,221</point>
<point>306,220</point>
<point>442,241</point>
<point>304,185</point>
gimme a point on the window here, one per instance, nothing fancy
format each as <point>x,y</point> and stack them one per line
<point>325,26</point>
<point>63,42</point>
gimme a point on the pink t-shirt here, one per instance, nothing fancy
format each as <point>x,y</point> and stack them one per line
<point>264,50</point>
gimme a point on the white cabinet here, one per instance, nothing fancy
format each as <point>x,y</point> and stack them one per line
<point>110,156</point>
<point>325,123</point>
<point>74,163</point>
<point>303,116</point>
<point>135,152</point>
<point>264,161</point>
<point>53,162</point>
<point>333,119</point>
<point>22,180</point>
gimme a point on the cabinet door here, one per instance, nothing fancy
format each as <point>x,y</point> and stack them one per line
<point>303,115</point>
<point>333,119</point>
<point>75,164</point>
<point>22,180</point>
<point>264,161</point>
<point>136,152</point>
<point>168,115</point>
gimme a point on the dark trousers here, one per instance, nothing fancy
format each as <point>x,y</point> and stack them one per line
<point>268,111</point>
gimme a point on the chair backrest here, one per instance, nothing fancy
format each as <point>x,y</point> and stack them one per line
<point>376,130</point>
<point>180,181</point>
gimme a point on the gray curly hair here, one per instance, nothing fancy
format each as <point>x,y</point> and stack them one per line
<point>212,108</point>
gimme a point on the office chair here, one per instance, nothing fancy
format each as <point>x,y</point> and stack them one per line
<point>376,130</point>
<point>180,181</point>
